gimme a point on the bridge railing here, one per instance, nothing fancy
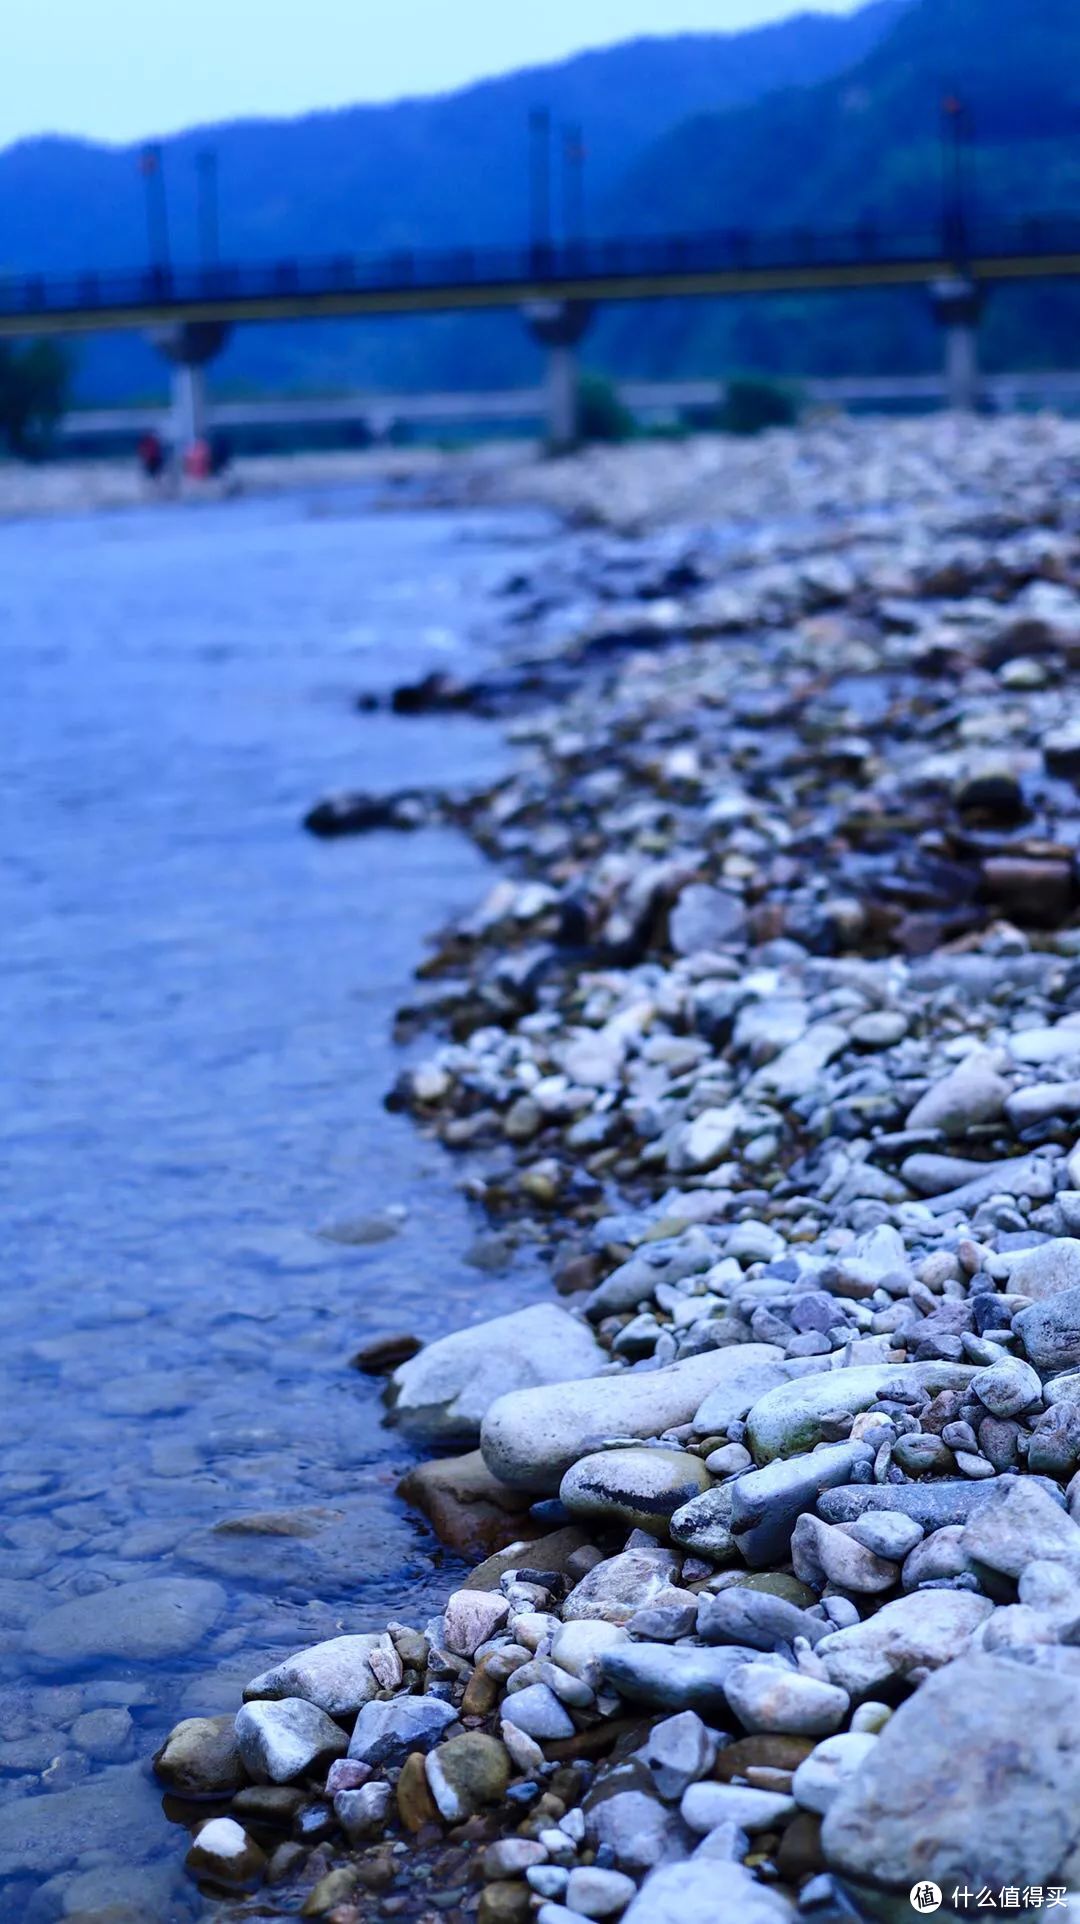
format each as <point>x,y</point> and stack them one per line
<point>616,258</point>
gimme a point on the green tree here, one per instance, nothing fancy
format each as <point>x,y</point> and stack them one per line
<point>753,403</point>
<point>35,381</point>
<point>601,414</point>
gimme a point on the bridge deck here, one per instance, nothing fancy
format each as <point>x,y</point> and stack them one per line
<point>681,267</point>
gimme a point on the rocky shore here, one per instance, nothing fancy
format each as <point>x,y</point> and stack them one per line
<point>769,1034</point>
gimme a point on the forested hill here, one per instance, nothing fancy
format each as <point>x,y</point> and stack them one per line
<point>865,145</point>
<point>448,168</point>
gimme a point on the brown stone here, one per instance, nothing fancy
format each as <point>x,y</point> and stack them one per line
<point>594,1742</point>
<point>241,1870</point>
<point>578,1272</point>
<point>335,1888</point>
<point>504,1903</point>
<point>416,1805</point>
<point>384,1353</point>
<point>377,1870</point>
<point>800,1853</point>
<point>200,1758</point>
<point>1032,890</point>
<point>481,1693</point>
<point>467,1507</point>
<point>543,1553</point>
<point>764,1751</point>
<point>267,1806</point>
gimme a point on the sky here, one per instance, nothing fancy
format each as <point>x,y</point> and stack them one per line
<point>119,70</point>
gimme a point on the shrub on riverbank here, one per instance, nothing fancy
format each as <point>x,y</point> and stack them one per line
<point>601,414</point>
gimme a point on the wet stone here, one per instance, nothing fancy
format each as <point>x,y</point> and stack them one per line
<point>282,1740</point>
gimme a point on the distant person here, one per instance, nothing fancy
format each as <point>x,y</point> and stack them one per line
<point>151,455</point>
<point>198,460</point>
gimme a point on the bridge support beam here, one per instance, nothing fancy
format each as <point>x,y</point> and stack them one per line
<point>190,346</point>
<point>559,326</point>
<point>957,306</point>
<point>188,414</point>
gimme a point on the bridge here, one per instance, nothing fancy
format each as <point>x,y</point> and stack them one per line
<point>556,287</point>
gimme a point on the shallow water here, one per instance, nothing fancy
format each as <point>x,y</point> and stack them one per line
<point>197,1002</point>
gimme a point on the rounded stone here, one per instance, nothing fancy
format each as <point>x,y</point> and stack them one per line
<point>223,1854</point>
<point>640,1487</point>
<point>281,1740</point>
<point>201,1758</point>
<point>769,1697</point>
<point>466,1773</point>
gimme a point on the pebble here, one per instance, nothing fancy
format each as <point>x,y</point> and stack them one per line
<point>223,1854</point>
<point>706,1806</point>
<point>767,1696</point>
<point>592,1892</point>
<point>384,1733</point>
<point>641,1488</point>
<point>151,1621</point>
<point>537,1711</point>
<point>679,1750</point>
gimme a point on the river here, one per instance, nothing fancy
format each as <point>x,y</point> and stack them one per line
<point>198,1001</point>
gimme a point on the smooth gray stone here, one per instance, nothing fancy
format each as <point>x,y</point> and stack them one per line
<point>1027,1176</point>
<point>530,1438</point>
<point>674,1677</point>
<point>931,1174</point>
<point>789,1419</point>
<point>1041,1100</point>
<point>766,1504</point>
<point>972,1092</point>
<point>945,1500</point>
<point>756,1619</point>
<point>1047,1270</point>
<point>444,1392</point>
<point>668,1261</point>
<point>148,1621</point>
<point>972,1782</point>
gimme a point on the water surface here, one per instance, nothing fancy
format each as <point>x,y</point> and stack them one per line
<point>197,1003</point>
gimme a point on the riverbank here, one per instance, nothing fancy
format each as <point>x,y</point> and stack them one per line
<point>395,477</point>
<point>769,1038</point>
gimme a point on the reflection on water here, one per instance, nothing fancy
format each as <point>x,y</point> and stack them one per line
<point>197,1001</point>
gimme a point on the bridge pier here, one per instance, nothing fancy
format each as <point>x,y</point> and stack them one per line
<point>559,326</point>
<point>957,306</point>
<point>189,346</point>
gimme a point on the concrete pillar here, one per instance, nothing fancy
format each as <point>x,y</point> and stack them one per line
<point>188,422</point>
<point>189,346</point>
<point>559,326</point>
<point>561,391</point>
<point>957,306</point>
